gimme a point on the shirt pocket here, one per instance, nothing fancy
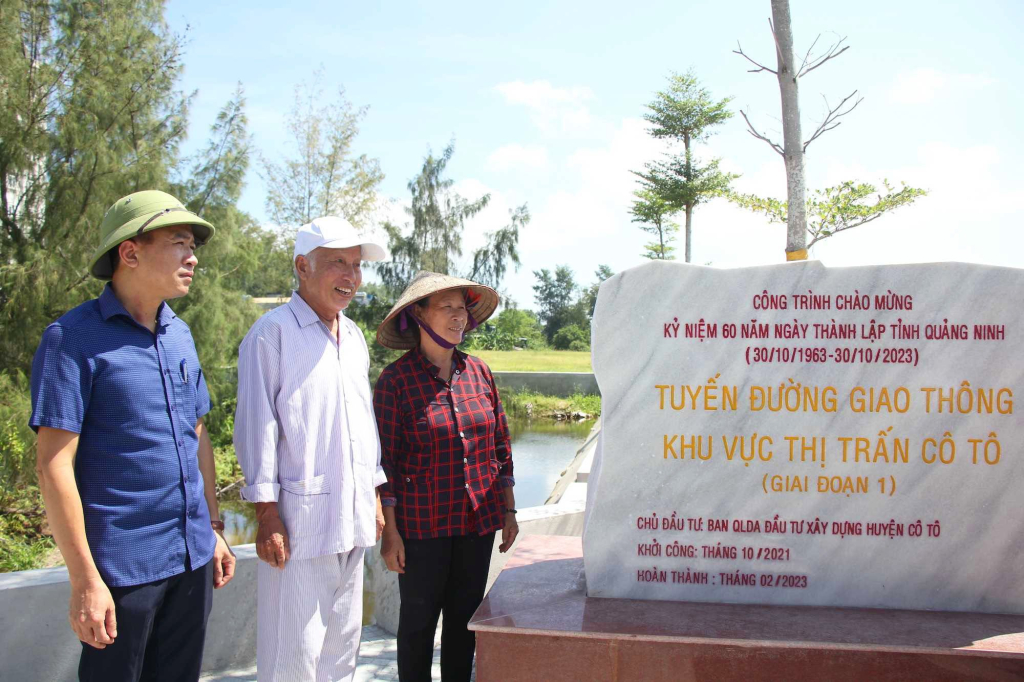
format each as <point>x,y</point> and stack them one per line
<point>304,506</point>
<point>414,494</point>
<point>422,429</point>
<point>475,416</point>
<point>185,398</point>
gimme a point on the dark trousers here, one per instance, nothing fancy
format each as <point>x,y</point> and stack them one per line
<point>441,574</point>
<point>161,627</point>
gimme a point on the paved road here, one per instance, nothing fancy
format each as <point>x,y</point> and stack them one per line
<point>377,660</point>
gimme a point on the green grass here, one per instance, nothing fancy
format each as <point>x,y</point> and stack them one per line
<point>515,403</point>
<point>21,553</point>
<point>535,360</point>
<point>22,543</point>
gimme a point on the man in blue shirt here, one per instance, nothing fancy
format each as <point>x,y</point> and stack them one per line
<point>125,463</point>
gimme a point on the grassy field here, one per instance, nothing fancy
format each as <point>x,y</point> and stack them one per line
<point>535,360</point>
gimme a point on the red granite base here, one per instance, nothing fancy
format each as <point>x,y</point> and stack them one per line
<point>537,624</point>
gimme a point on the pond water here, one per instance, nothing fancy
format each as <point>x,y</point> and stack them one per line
<point>541,450</point>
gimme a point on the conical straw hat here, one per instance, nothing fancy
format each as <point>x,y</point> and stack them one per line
<point>426,284</point>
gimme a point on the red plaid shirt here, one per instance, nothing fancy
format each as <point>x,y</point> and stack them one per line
<point>444,447</point>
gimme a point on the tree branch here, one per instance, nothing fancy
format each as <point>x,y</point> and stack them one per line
<point>817,236</point>
<point>82,278</point>
<point>830,121</point>
<point>778,48</point>
<point>221,491</point>
<point>753,131</point>
<point>832,53</point>
<point>760,67</point>
<point>808,55</point>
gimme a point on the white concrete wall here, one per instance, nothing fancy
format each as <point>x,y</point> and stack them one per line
<point>36,642</point>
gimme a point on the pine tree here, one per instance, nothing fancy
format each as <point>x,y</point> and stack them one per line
<point>434,242</point>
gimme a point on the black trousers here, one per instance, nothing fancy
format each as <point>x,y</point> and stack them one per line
<point>161,627</point>
<point>441,574</point>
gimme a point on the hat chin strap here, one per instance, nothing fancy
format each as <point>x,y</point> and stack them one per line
<point>407,314</point>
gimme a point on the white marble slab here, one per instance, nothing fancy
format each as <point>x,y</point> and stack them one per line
<point>905,524</point>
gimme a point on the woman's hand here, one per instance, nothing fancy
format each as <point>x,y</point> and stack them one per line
<point>509,532</point>
<point>392,549</point>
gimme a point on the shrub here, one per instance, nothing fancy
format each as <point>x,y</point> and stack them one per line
<point>521,325</point>
<point>17,442</point>
<point>567,336</point>
<point>488,337</point>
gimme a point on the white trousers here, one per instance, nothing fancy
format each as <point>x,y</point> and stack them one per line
<point>309,618</point>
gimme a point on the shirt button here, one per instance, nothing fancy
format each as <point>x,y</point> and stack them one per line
<point>467,486</point>
<point>456,409</point>
<point>461,434</point>
<point>466,460</point>
<point>407,479</point>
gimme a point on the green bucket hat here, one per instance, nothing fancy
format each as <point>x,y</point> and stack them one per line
<point>137,213</point>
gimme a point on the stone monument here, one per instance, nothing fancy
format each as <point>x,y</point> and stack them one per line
<point>804,435</point>
<point>803,473</point>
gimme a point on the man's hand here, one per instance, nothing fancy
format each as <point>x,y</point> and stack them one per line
<point>272,536</point>
<point>223,562</point>
<point>380,518</point>
<point>392,550</point>
<point>91,613</point>
<point>508,533</point>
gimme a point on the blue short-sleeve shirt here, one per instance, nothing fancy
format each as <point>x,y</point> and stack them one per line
<point>134,398</point>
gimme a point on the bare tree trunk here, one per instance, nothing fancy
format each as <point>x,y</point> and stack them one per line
<point>661,240</point>
<point>689,226</point>
<point>796,238</point>
<point>689,206</point>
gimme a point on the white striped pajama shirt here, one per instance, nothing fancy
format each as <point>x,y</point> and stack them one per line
<point>306,438</point>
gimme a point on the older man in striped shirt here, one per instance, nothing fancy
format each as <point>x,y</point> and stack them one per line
<point>307,441</point>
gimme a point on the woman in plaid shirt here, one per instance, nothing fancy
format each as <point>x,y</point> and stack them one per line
<point>445,450</point>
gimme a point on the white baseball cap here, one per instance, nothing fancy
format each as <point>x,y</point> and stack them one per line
<point>332,232</point>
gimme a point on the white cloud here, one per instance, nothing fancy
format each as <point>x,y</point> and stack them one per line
<point>552,109</point>
<point>543,95</point>
<point>599,206</point>
<point>923,85</point>
<point>972,211</point>
<point>516,156</point>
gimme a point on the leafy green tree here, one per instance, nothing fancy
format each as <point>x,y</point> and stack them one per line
<point>572,337</point>
<point>685,114</point>
<point>521,324</point>
<point>434,242</point>
<point>89,112</point>
<point>653,213</point>
<point>834,209</point>
<point>589,296</point>
<point>324,177</point>
<point>556,296</point>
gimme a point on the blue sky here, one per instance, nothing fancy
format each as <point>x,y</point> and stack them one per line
<point>545,103</point>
